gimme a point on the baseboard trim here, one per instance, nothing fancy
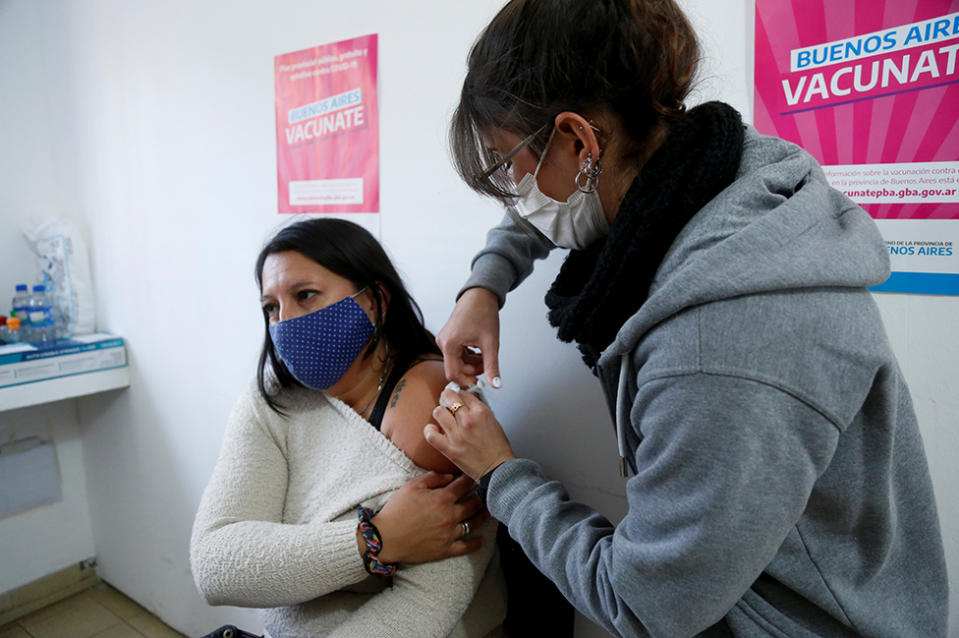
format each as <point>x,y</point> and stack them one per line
<point>45,591</point>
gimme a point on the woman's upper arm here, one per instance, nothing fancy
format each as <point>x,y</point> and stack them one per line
<point>506,260</point>
<point>410,408</point>
<point>241,551</point>
<point>249,480</point>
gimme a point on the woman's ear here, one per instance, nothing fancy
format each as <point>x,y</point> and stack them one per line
<point>374,301</point>
<point>384,300</point>
<point>576,136</point>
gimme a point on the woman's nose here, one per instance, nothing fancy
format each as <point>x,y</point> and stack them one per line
<point>288,311</point>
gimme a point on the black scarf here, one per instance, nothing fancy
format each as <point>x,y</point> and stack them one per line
<point>602,286</point>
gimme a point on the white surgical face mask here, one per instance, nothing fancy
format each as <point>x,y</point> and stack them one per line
<point>575,223</point>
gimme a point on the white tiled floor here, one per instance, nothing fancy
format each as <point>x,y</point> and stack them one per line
<point>100,611</point>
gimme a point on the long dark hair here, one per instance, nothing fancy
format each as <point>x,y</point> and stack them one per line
<point>538,58</point>
<point>350,251</point>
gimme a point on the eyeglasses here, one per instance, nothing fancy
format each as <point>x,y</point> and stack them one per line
<point>498,174</point>
<point>506,162</point>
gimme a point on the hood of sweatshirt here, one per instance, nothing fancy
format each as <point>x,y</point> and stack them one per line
<point>778,226</point>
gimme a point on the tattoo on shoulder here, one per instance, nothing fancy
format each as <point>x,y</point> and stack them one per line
<point>396,393</point>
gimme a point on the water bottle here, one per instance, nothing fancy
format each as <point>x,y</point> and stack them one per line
<point>21,303</point>
<point>13,330</point>
<point>41,316</point>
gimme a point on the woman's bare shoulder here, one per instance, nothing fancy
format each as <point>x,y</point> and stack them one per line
<point>410,408</point>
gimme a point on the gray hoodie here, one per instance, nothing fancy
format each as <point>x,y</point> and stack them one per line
<point>780,486</point>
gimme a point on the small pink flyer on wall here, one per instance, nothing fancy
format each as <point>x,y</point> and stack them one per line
<point>871,89</point>
<point>327,128</point>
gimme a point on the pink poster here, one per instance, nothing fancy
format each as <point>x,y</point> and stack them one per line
<point>871,89</point>
<point>327,128</point>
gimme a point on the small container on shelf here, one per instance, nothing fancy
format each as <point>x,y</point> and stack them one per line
<point>13,330</point>
<point>20,302</point>
<point>41,315</point>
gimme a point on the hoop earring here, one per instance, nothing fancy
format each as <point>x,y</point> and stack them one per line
<point>590,172</point>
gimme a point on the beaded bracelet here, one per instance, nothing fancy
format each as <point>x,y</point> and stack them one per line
<point>374,543</point>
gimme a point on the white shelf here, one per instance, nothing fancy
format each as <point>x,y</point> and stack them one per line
<point>77,385</point>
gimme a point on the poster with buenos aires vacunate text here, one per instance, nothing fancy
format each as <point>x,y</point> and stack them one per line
<point>871,89</point>
<point>327,128</point>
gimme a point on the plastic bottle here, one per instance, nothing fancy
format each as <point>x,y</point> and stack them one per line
<point>13,330</point>
<point>4,331</point>
<point>41,316</point>
<point>21,303</point>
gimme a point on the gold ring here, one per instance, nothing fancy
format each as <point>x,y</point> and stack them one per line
<point>453,407</point>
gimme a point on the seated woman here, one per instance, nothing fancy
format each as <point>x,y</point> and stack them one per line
<point>321,497</point>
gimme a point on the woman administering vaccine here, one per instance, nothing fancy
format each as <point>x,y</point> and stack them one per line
<point>716,286</point>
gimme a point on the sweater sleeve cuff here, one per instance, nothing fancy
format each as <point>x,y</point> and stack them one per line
<point>344,554</point>
<point>509,484</point>
<point>493,272</point>
<point>482,486</point>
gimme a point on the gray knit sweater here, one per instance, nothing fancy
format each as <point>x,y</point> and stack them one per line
<point>780,485</point>
<point>276,529</point>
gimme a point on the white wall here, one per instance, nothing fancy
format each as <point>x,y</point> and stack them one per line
<point>170,143</point>
<point>37,177</point>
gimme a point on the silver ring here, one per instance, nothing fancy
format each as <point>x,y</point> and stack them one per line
<point>466,529</point>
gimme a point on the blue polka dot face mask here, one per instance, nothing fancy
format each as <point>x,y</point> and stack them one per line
<point>318,348</point>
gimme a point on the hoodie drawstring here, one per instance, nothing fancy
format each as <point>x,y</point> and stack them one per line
<point>622,415</point>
